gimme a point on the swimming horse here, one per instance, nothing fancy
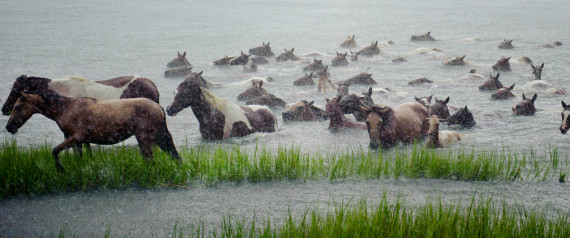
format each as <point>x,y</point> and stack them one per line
<point>116,88</point>
<point>565,118</point>
<point>218,117</point>
<point>438,138</point>
<point>405,123</point>
<point>86,120</point>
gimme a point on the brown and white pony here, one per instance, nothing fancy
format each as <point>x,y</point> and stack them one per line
<point>438,138</point>
<point>304,111</point>
<point>87,120</point>
<point>425,101</point>
<point>565,118</point>
<point>218,117</point>
<point>338,121</point>
<point>116,88</point>
<point>405,123</point>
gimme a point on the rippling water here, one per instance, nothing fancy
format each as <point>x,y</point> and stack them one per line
<point>105,39</point>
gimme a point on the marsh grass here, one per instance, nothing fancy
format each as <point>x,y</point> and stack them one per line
<point>31,171</point>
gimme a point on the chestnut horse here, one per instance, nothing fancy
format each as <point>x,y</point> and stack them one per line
<point>502,64</point>
<point>179,61</point>
<point>218,117</point>
<point>263,51</point>
<point>565,118</point>
<point>88,120</point>
<point>116,88</point>
<point>288,55</point>
<point>492,83</point>
<point>255,91</point>
<point>406,123</point>
<point>338,121</point>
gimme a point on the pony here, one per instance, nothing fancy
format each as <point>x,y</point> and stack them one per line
<point>259,60</point>
<point>179,61</point>
<point>342,89</point>
<point>537,71</point>
<point>315,66</point>
<point>223,61</point>
<point>506,44</point>
<point>439,108</point>
<point>419,81</point>
<point>424,37</point>
<point>525,107</point>
<point>362,78</point>
<point>400,59</point>
<point>115,88</point>
<point>269,100</point>
<point>503,93</point>
<point>492,83</point>
<point>198,79</point>
<point>359,106</point>
<point>306,80</point>
<point>367,98</point>
<point>370,50</point>
<point>219,118</point>
<point>425,101</point>
<point>472,75</point>
<point>242,59</point>
<point>353,56</point>
<point>337,121</point>
<point>288,55</point>
<point>565,118</point>
<point>438,138</point>
<point>87,120</point>
<point>304,111</point>
<point>340,60</point>
<point>177,72</point>
<point>324,83</point>
<point>349,43</point>
<point>526,60</point>
<point>256,90</point>
<point>322,72</point>
<point>263,51</point>
<point>405,123</point>
<point>502,64</point>
<point>463,117</point>
<point>457,61</point>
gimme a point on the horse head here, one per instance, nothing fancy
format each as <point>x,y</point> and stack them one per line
<point>187,94</point>
<point>25,84</point>
<point>503,93</point>
<point>288,55</point>
<point>439,108</point>
<point>24,108</point>
<point>256,90</point>
<point>502,64</point>
<point>349,43</point>
<point>537,71</point>
<point>340,59</point>
<point>492,83</point>
<point>300,111</point>
<point>305,80</point>
<point>267,100</point>
<point>264,50</point>
<point>353,56</point>
<point>342,89</point>
<point>242,59</point>
<point>565,118</point>
<point>377,120</point>
<point>315,66</point>
<point>525,107</point>
<point>179,61</point>
<point>425,101</point>
<point>457,61</point>
<point>463,117</point>
<point>506,44</point>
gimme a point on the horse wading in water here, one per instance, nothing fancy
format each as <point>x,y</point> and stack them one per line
<point>405,123</point>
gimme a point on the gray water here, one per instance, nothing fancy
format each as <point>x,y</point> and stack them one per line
<point>105,39</point>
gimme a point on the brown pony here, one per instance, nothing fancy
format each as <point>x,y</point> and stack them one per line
<point>324,83</point>
<point>439,108</point>
<point>87,120</point>
<point>419,81</point>
<point>349,43</point>
<point>116,88</point>
<point>242,59</point>
<point>223,61</point>
<point>263,51</point>
<point>338,121</point>
<point>506,44</point>
<point>525,107</point>
<point>304,111</point>
<point>492,83</point>
<point>565,118</point>
<point>218,117</point>
<point>406,123</point>
<point>306,80</point>
<point>425,101</point>
<point>340,60</point>
<point>537,71</point>
<point>358,106</point>
<point>457,61</point>
<point>362,78</point>
<point>177,72</point>
<point>198,79</point>
<point>400,59</point>
<point>179,61</point>
<point>502,64</point>
<point>370,50</point>
<point>269,100</point>
<point>288,55</point>
<point>503,93</point>
<point>438,138</point>
<point>256,90</point>
<point>424,37</point>
<point>315,66</point>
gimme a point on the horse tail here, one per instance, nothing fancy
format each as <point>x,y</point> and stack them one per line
<point>164,140</point>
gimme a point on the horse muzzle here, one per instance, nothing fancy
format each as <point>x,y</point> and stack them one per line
<point>12,129</point>
<point>170,112</point>
<point>374,145</point>
<point>563,130</point>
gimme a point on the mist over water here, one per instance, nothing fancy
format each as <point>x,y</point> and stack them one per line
<point>105,39</point>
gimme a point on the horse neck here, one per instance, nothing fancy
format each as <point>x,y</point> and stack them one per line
<point>434,138</point>
<point>55,106</point>
<point>337,117</point>
<point>201,108</point>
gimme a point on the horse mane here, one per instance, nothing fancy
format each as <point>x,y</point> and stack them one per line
<point>217,102</point>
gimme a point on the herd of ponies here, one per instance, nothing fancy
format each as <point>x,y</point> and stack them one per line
<point>110,111</point>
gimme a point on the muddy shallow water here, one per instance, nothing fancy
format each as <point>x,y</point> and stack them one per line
<point>105,39</point>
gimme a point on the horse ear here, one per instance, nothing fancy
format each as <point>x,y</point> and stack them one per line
<point>327,99</point>
<point>260,83</point>
<point>462,58</point>
<point>417,99</point>
<point>429,32</point>
<point>311,75</point>
<point>523,97</point>
<point>508,58</point>
<point>200,74</point>
<point>446,100</point>
<point>564,104</point>
<point>370,91</point>
<point>353,37</point>
<point>292,49</point>
<point>534,98</point>
<point>498,74</point>
<point>23,96</point>
<point>285,49</point>
<point>542,65</point>
<point>184,54</point>
<point>337,53</point>
<point>345,54</point>
<point>533,68</point>
<point>267,43</point>
<point>429,98</point>
<point>178,53</point>
<point>310,104</point>
<point>511,87</point>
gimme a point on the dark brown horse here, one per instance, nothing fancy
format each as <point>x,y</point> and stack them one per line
<point>87,120</point>
<point>502,64</point>
<point>492,83</point>
<point>503,93</point>
<point>349,43</point>
<point>525,107</point>
<point>220,118</point>
<point>198,79</point>
<point>506,44</point>
<point>269,100</point>
<point>463,117</point>
<point>338,121</point>
<point>362,78</point>
<point>116,88</point>
<point>370,50</point>
<point>439,108</point>
<point>356,105</point>
<point>340,59</point>
<point>288,55</point>
<point>420,81</point>
<point>304,111</point>
<point>315,66</point>
<point>565,118</point>
<point>263,51</point>
<point>306,80</point>
<point>255,91</point>
<point>424,37</point>
<point>242,59</point>
<point>457,61</point>
<point>537,71</point>
<point>223,61</point>
<point>179,61</point>
<point>405,123</point>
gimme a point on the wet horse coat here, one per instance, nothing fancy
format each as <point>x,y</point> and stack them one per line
<point>87,120</point>
<point>406,123</point>
<point>438,138</point>
<point>565,118</point>
<point>338,121</point>
<point>116,88</point>
<point>220,118</point>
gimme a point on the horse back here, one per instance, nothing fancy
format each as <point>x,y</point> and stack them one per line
<point>261,118</point>
<point>137,87</point>
<point>410,120</point>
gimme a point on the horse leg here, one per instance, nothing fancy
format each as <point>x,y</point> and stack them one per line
<point>164,140</point>
<point>145,144</point>
<point>67,143</point>
<point>79,149</point>
<point>88,147</point>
